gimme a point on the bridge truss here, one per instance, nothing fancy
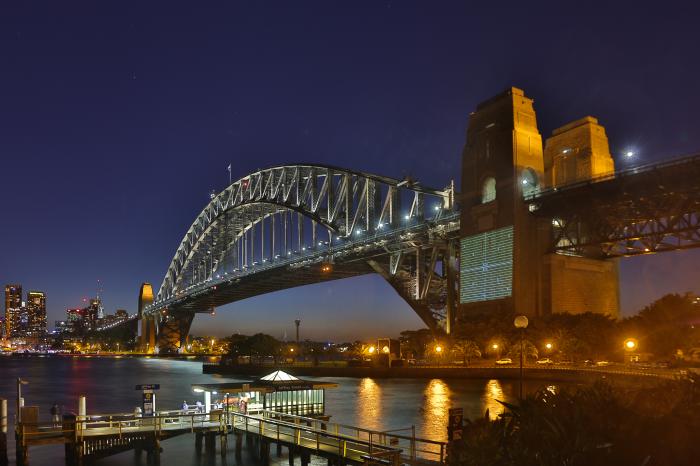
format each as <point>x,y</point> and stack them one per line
<point>299,224</point>
<point>644,210</point>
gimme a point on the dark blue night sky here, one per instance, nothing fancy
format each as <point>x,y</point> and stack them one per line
<point>117,120</point>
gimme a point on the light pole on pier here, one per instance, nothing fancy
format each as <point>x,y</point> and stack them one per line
<point>521,323</point>
<point>20,382</point>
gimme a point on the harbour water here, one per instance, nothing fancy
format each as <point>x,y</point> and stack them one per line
<point>109,384</point>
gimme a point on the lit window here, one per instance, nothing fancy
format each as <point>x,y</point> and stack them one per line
<point>488,190</point>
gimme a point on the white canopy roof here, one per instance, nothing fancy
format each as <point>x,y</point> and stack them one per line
<point>279,376</point>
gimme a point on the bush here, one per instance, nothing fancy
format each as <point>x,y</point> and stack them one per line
<point>594,425</point>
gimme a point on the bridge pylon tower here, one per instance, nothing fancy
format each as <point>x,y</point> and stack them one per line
<point>507,262</point>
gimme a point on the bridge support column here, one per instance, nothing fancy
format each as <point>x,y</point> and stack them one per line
<point>210,443</point>
<point>3,432</point>
<point>265,450</point>
<point>223,437</point>
<point>305,458</point>
<point>68,426</point>
<point>291,456</point>
<point>198,442</point>
<point>173,329</point>
<point>146,329</point>
<point>239,444</point>
<point>279,450</point>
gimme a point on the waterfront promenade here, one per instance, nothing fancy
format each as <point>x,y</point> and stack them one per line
<point>554,373</point>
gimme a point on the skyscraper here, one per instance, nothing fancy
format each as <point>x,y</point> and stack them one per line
<point>36,313</point>
<point>13,306</point>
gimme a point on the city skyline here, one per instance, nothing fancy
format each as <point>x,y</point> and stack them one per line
<point>127,153</point>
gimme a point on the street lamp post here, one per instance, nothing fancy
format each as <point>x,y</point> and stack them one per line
<point>521,323</point>
<point>20,382</point>
<point>631,345</point>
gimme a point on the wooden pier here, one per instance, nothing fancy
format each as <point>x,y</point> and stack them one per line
<point>91,437</point>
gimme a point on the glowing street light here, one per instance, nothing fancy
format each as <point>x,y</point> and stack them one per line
<point>630,154</point>
<point>548,346</point>
<point>521,322</point>
<point>438,349</point>
<point>371,350</point>
<point>631,344</point>
<point>494,346</point>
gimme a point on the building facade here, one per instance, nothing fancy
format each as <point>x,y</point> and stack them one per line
<point>13,310</point>
<point>36,313</point>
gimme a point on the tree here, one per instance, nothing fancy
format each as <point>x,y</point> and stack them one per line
<point>529,350</point>
<point>666,325</point>
<point>259,345</point>
<point>414,342</point>
<point>466,350</point>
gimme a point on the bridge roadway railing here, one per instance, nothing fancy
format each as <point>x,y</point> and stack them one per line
<point>301,258</point>
<point>690,159</point>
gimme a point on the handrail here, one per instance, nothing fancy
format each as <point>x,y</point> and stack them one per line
<point>373,438</point>
<point>308,432</point>
<point>361,429</point>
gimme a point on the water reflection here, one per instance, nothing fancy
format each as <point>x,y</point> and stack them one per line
<point>369,403</point>
<point>493,393</point>
<point>379,404</point>
<point>436,404</point>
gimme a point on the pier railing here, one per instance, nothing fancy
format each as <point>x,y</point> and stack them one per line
<point>413,449</point>
<point>314,435</point>
<point>93,433</point>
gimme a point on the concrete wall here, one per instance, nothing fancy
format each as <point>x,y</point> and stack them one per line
<point>577,285</point>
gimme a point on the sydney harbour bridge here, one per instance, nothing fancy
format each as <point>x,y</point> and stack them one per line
<point>517,236</point>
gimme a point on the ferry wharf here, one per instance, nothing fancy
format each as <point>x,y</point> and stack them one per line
<point>90,437</point>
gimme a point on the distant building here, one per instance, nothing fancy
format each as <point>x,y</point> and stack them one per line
<point>121,314</point>
<point>92,313</point>
<point>36,313</point>
<point>13,310</point>
<point>74,315</point>
<point>62,327</point>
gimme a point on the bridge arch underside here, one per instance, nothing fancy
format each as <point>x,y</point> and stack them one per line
<point>293,226</point>
<point>427,295</point>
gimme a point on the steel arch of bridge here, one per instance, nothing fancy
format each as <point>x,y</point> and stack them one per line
<point>293,215</point>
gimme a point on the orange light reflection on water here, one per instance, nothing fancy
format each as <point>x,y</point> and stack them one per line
<point>369,403</point>
<point>493,393</point>
<point>436,404</point>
